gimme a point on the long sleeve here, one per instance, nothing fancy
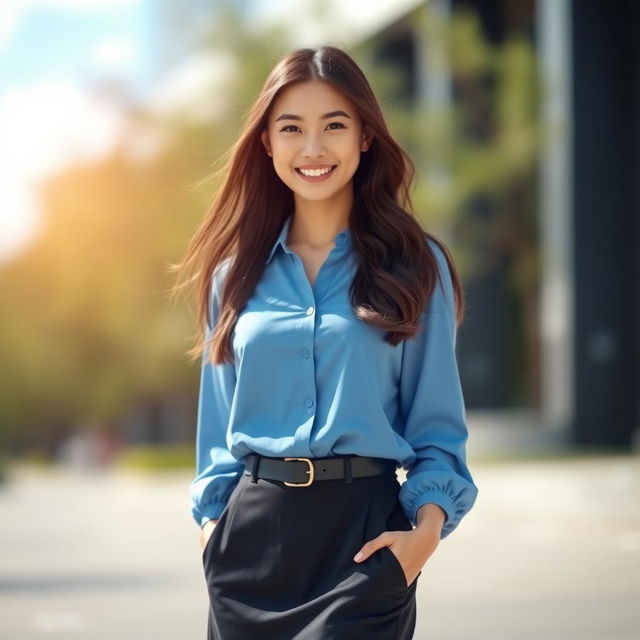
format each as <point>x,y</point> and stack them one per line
<point>432,404</point>
<point>217,471</point>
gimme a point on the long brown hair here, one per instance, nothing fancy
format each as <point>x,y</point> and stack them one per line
<point>397,270</point>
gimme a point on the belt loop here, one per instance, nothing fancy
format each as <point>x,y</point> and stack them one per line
<point>347,469</point>
<point>254,468</point>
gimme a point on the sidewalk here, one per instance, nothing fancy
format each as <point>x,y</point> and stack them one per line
<point>551,550</point>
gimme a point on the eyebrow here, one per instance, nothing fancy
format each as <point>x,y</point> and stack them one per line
<point>331,114</point>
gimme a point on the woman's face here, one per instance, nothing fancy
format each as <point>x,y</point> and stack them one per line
<point>300,135</point>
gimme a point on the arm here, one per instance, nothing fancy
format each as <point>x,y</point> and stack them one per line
<point>217,471</point>
<point>432,404</point>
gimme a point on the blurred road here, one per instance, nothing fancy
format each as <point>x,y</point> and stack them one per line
<point>551,550</point>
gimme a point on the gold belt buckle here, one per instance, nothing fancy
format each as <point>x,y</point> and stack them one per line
<point>309,471</point>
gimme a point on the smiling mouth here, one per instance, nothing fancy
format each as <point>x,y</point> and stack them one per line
<point>320,175</point>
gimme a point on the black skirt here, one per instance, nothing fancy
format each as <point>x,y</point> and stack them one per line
<point>279,563</point>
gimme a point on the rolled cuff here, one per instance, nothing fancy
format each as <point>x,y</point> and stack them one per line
<point>213,511</point>
<point>454,494</point>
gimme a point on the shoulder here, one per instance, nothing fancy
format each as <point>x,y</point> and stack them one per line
<point>218,279</point>
<point>442,298</point>
<point>220,272</point>
<point>438,252</point>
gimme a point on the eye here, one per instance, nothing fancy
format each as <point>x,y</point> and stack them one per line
<point>341,126</point>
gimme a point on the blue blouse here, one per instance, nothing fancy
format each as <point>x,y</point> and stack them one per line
<point>311,380</point>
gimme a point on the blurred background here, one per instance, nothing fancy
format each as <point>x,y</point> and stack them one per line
<point>522,119</point>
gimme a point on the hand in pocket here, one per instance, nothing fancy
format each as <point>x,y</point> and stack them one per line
<point>206,531</point>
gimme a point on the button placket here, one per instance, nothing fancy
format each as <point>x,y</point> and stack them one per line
<point>309,316</point>
<point>309,400</point>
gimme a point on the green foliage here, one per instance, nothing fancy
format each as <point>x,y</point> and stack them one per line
<point>86,331</point>
<point>476,154</point>
<point>89,333</point>
<point>152,458</point>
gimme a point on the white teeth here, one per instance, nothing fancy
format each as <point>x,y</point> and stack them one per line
<point>314,172</point>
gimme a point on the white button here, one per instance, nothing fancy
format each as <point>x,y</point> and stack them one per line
<point>309,311</point>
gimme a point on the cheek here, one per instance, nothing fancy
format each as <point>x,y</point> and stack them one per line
<point>283,170</point>
<point>349,150</point>
<point>282,154</point>
<point>283,159</point>
<point>282,145</point>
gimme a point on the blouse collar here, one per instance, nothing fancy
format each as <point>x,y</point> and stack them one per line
<point>342,238</point>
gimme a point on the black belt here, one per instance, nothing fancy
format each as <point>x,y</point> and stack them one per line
<point>302,472</point>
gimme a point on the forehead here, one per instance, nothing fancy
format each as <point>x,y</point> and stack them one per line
<point>310,100</point>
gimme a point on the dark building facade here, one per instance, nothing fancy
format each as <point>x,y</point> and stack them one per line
<point>566,347</point>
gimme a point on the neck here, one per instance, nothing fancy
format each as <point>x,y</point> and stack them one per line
<point>315,223</point>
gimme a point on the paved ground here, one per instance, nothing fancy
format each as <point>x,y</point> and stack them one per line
<point>551,550</point>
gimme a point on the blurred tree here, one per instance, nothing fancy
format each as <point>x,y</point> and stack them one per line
<point>88,336</point>
<point>476,157</point>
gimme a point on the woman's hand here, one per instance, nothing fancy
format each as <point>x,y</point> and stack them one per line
<point>411,548</point>
<point>206,531</point>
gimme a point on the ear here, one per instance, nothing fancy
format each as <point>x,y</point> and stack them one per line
<point>366,138</point>
<point>264,136</point>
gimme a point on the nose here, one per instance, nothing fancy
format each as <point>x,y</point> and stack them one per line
<point>313,147</point>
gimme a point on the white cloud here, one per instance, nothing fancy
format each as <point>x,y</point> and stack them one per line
<point>343,23</point>
<point>195,88</point>
<point>113,54</point>
<point>11,15</point>
<point>43,127</point>
<point>47,125</point>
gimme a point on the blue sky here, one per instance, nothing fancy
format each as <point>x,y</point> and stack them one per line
<point>49,38</point>
<point>50,51</point>
<point>52,42</point>
<point>53,53</point>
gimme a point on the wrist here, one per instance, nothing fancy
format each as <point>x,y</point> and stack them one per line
<point>430,518</point>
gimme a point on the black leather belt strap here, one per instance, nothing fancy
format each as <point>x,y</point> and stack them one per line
<point>305,471</point>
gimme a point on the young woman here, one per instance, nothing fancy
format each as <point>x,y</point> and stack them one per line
<point>329,321</point>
